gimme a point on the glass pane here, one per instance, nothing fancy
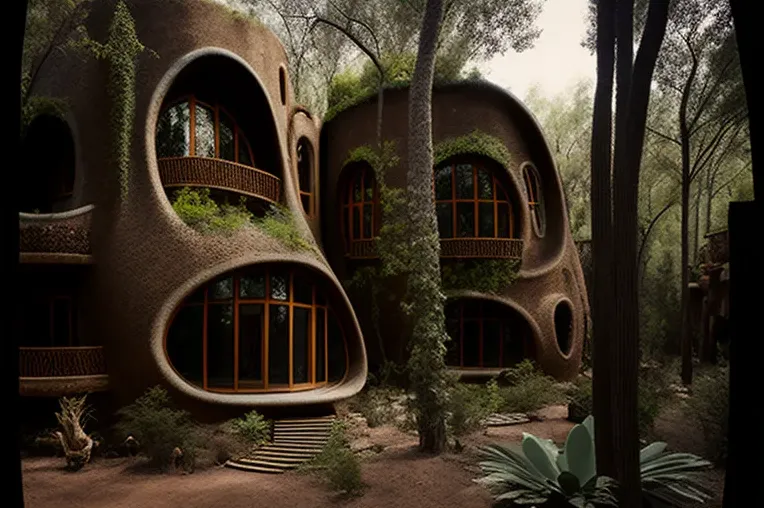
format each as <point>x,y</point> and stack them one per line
<point>304,166</point>
<point>301,345</point>
<point>367,215</point>
<point>491,343</point>
<point>471,348</point>
<point>227,147</point>
<point>185,343</point>
<point>244,155</point>
<point>513,345</point>
<point>205,132</point>
<point>337,362</point>
<point>278,345</point>
<point>35,324</point>
<point>251,321</point>
<point>61,314</point>
<point>485,220</point>
<point>443,183</point>
<point>346,224</point>
<point>368,184</point>
<point>221,289</point>
<point>197,296</point>
<point>220,346</point>
<point>303,288</point>
<point>320,297</point>
<point>252,286</point>
<point>465,217</point>
<point>356,223</point>
<point>485,184</point>
<point>452,347</point>
<point>320,346</point>
<point>471,308</point>
<point>305,199</point>
<point>173,135</point>
<point>464,182</point>
<point>445,220</point>
<point>280,286</point>
<point>357,197</point>
<point>502,220</point>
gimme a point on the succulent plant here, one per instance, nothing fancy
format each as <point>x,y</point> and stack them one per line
<point>540,472</point>
<point>667,478</point>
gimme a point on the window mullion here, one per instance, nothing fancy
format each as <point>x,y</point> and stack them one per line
<point>475,206</point>
<point>192,127</point>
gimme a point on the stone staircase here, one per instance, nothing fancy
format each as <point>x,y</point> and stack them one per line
<point>295,440</point>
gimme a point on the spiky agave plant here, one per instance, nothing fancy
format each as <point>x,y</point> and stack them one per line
<point>541,473</point>
<point>668,478</point>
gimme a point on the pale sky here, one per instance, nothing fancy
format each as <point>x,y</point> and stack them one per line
<point>556,61</point>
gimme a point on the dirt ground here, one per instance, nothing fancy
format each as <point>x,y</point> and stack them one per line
<point>396,477</point>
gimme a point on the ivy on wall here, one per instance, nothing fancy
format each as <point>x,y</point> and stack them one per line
<point>39,105</point>
<point>476,142</point>
<point>483,275</point>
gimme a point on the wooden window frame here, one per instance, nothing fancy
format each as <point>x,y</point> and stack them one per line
<point>535,197</point>
<point>236,301</point>
<point>348,204</point>
<point>216,108</point>
<point>497,188</point>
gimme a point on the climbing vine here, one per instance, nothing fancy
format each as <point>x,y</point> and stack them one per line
<point>121,52</point>
<point>483,275</point>
<point>476,142</point>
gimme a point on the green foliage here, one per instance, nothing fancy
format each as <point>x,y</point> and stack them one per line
<point>253,426</point>
<point>470,404</point>
<point>37,105</point>
<point>476,143</point>
<point>529,389</point>
<point>279,223</point>
<point>484,275</point>
<point>541,472</point>
<point>197,209</point>
<point>668,479</point>
<point>580,399</point>
<point>337,464</point>
<point>158,427</point>
<point>709,404</point>
<point>380,405</point>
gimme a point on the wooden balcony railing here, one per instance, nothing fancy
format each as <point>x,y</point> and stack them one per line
<point>219,174</point>
<point>489,248</point>
<point>36,362</point>
<point>56,233</point>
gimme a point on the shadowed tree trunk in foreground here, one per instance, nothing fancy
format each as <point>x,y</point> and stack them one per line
<point>617,236</point>
<point>426,363</point>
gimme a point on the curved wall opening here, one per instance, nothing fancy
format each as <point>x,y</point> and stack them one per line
<point>306,176</point>
<point>282,85</point>
<point>215,130</point>
<point>262,328</point>
<point>486,334</point>
<point>535,192</point>
<point>563,326</point>
<point>49,160</point>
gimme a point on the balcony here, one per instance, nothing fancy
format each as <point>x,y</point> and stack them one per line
<point>453,248</point>
<point>61,238</point>
<point>56,371</point>
<point>219,174</point>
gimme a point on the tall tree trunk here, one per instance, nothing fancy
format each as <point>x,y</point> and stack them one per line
<point>426,364</point>
<point>602,253</point>
<point>696,230</point>
<point>710,199</point>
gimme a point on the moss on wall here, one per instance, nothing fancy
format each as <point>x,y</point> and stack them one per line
<point>476,142</point>
<point>197,209</point>
<point>483,275</point>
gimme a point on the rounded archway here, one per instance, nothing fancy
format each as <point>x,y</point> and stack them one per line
<point>563,326</point>
<point>486,334</point>
<point>49,158</point>
<point>261,328</point>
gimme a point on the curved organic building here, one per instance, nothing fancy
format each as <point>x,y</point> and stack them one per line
<point>123,294</point>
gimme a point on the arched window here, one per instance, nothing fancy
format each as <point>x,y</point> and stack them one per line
<point>485,334</point>
<point>472,203</point>
<point>305,176</point>
<point>191,128</point>
<point>258,329</point>
<point>360,208</point>
<point>535,198</point>
<point>282,85</point>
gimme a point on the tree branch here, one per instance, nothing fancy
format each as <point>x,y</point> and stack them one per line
<point>664,136</point>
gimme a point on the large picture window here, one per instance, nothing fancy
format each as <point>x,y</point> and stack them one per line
<point>258,329</point>
<point>192,128</point>
<point>485,334</point>
<point>49,321</point>
<point>360,209</point>
<point>535,198</point>
<point>472,203</point>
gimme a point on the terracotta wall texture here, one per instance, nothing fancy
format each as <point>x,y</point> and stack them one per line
<point>146,260</point>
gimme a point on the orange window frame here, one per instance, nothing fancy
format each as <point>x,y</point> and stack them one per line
<point>349,204</point>
<point>481,320</point>
<point>533,187</point>
<point>238,134</point>
<point>236,301</point>
<point>476,200</point>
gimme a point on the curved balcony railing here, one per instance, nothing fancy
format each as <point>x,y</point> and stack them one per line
<point>219,174</point>
<point>489,248</point>
<point>56,233</point>
<point>38,362</point>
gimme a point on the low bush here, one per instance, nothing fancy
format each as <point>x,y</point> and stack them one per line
<point>197,209</point>
<point>219,444</point>
<point>279,223</point>
<point>470,405</point>
<point>528,389</point>
<point>380,405</point>
<point>709,404</point>
<point>253,427</point>
<point>159,428</point>
<point>580,399</point>
<point>337,464</point>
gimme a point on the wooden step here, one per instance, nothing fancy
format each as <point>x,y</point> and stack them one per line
<point>284,453</point>
<point>255,469</point>
<point>272,461</point>
<point>301,440</point>
<point>292,426</point>
<point>292,433</point>
<point>318,419</point>
<point>290,447</point>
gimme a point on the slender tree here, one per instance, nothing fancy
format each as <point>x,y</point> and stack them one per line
<point>426,364</point>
